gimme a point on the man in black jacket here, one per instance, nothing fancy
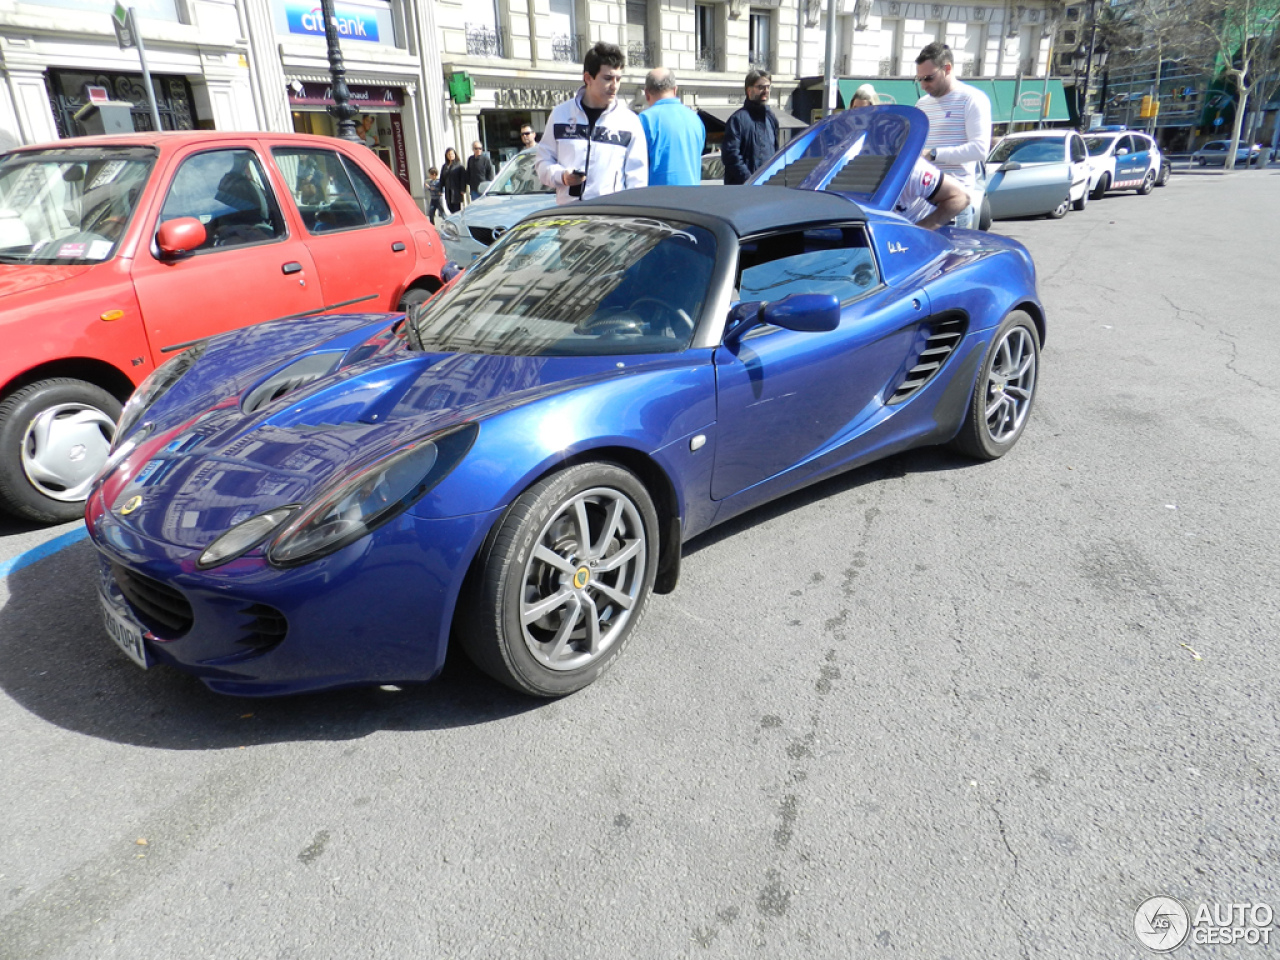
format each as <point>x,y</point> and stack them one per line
<point>751,135</point>
<point>479,169</point>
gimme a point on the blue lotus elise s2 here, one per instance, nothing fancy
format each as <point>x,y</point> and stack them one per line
<point>326,501</point>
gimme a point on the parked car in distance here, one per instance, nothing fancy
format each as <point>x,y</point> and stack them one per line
<point>515,192</point>
<point>1215,152</point>
<point>514,466</point>
<point>115,251</point>
<point>1122,160</point>
<point>1039,172</point>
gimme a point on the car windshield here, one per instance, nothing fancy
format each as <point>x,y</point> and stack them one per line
<point>517,177</point>
<point>1097,146</point>
<point>68,206</point>
<point>577,286</point>
<point>1028,150</point>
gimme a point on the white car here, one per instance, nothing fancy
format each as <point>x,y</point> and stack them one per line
<point>1122,160</point>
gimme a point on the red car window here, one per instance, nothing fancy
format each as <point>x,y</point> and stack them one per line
<point>228,192</point>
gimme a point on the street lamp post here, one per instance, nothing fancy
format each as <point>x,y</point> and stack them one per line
<point>342,110</point>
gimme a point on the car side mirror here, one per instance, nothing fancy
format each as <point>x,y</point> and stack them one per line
<point>1010,166</point>
<point>1122,151</point>
<point>180,238</point>
<point>802,312</point>
<point>483,188</point>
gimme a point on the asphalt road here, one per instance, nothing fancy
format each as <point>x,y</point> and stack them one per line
<point>929,710</point>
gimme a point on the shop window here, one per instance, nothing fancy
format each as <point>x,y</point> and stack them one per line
<point>227,192</point>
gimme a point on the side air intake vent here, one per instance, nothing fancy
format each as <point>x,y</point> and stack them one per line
<point>266,630</point>
<point>943,335</point>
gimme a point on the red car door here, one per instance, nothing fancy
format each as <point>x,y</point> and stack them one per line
<point>360,242</point>
<point>252,266</point>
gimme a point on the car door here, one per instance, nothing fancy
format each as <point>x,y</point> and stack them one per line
<point>251,266</point>
<point>1131,162</point>
<point>785,396</point>
<point>1079,159</point>
<point>1032,177</point>
<point>358,243</point>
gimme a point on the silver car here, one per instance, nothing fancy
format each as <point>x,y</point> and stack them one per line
<point>1039,172</point>
<point>514,192</point>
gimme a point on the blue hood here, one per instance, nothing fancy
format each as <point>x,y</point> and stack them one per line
<point>225,448</point>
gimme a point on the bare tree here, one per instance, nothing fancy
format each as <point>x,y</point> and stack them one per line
<point>1242,36</point>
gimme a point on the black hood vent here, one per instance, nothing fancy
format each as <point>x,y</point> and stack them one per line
<point>296,375</point>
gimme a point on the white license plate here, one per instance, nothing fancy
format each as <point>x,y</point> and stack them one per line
<point>126,633</point>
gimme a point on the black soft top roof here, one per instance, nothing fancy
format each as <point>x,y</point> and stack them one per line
<point>747,210</point>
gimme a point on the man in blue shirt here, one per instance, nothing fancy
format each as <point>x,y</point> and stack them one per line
<point>676,135</point>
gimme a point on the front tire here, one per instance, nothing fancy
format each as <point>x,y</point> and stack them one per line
<point>1100,190</point>
<point>54,438</point>
<point>984,217</point>
<point>1004,392</point>
<point>563,581</point>
<point>1083,201</point>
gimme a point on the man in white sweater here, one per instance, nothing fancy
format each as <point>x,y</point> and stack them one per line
<point>959,124</point>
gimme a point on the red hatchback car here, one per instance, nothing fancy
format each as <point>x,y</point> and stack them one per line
<point>114,250</point>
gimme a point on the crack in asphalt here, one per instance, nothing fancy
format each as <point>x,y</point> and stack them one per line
<point>1184,314</point>
<point>1002,829</point>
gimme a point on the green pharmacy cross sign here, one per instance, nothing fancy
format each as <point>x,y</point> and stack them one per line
<point>123,23</point>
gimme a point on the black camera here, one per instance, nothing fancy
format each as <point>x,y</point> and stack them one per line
<point>576,189</point>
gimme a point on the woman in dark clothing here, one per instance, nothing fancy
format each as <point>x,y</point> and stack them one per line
<point>454,177</point>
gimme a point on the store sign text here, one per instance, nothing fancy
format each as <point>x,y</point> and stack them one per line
<point>536,98</point>
<point>351,24</point>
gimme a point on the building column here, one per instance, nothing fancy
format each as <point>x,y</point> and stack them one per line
<point>30,103</point>
<point>266,71</point>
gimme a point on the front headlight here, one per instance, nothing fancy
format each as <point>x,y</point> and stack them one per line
<point>243,537</point>
<point>451,230</point>
<point>372,496</point>
<point>155,386</point>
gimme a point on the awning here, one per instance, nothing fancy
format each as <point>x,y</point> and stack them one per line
<point>890,91</point>
<point>1036,100</point>
<point>720,116</point>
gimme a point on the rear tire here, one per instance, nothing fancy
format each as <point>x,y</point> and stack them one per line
<point>1148,183</point>
<point>413,298</point>
<point>54,438</point>
<point>1166,171</point>
<point>1060,211</point>
<point>984,216</point>
<point>1004,392</point>
<point>562,581</point>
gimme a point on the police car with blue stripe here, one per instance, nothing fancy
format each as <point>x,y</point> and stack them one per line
<point>1122,159</point>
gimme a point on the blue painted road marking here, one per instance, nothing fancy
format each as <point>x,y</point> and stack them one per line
<point>48,549</point>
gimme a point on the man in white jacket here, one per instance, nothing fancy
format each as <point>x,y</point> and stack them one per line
<point>593,145</point>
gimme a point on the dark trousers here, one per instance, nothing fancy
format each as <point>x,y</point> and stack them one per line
<point>436,204</point>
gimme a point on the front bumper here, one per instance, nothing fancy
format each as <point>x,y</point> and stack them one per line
<point>377,611</point>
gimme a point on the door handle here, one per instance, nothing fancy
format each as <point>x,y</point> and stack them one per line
<point>398,247</point>
<point>292,266</point>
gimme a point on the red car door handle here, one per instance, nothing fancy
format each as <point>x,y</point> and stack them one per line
<point>398,247</point>
<point>292,267</point>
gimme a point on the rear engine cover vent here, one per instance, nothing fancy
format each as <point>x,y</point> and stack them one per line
<point>943,334</point>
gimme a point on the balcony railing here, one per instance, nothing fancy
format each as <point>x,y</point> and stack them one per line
<point>760,60</point>
<point>1027,66</point>
<point>842,65</point>
<point>485,41</point>
<point>971,68</point>
<point>708,60</point>
<point>567,49</point>
<point>889,67</point>
<point>642,55</point>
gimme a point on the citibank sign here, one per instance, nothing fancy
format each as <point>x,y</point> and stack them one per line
<point>352,23</point>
